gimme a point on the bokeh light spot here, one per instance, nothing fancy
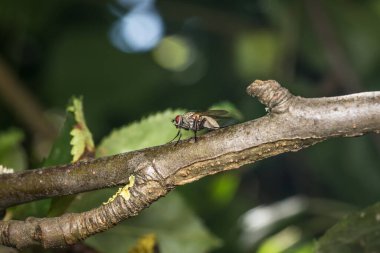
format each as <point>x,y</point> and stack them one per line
<point>255,54</point>
<point>136,3</point>
<point>137,31</point>
<point>173,53</point>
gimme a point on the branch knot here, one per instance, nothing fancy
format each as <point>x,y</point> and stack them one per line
<point>270,93</point>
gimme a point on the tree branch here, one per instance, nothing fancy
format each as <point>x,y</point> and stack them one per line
<point>292,123</point>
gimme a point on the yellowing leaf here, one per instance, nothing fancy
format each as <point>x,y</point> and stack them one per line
<point>81,141</point>
<point>146,244</point>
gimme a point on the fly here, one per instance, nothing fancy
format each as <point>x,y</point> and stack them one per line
<point>196,121</point>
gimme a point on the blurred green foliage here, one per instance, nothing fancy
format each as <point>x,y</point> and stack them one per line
<point>12,154</point>
<point>358,232</point>
<point>284,239</point>
<point>176,227</point>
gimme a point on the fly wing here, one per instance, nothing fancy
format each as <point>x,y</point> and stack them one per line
<point>216,113</point>
<point>210,123</point>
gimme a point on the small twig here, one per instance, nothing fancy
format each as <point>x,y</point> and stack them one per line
<point>292,124</point>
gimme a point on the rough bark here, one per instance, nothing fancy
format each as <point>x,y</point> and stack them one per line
<point>292,123</point>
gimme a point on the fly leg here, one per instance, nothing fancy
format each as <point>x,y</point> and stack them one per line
<point>178,134</point>
<point>179,138</point>
<point>197,127</point>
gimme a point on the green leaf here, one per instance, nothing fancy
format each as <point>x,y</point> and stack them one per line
<point>60,151</point>
<point>74,136</point>
<point>12,155</point>
<point>32,209</point>
<point>358,232</point>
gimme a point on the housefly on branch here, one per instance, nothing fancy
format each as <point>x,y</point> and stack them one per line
<point>196,121</point>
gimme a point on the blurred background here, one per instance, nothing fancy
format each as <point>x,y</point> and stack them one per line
<point>132,58</point>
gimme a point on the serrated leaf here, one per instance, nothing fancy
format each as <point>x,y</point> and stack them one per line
<point>358,232</point>
<point>60,151</point>
<point>81,141</point>
<point>156,129</point>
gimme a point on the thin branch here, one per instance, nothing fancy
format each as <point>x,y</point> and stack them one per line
<point>336,57</point>
<point>217,21</point>
<point>23,104</point>
<point>292,124</point>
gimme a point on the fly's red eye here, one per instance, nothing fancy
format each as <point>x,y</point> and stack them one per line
<point>178,119</point>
